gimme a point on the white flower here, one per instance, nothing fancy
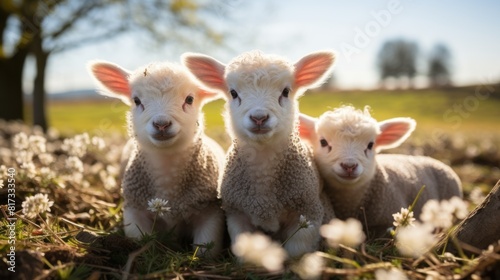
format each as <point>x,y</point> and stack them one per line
<point>403,218</point>
<point>391,274</point>
<point>45,159</point>
<point>1,184</point>
<point>24,157</point>
<point>98,142</point>
<point>459,207</point>
<point>20,141</point>
<point>349,233</point>
<point>29,169</point>
<point>304,223</point>
<point>158,205</point>
<point>435,215</point>
<point>415,241</point>
<point>441,214</point>
<point>37,204</point>
<point>74,163</point>
<point>76,146</point>
<point>477,196</point>
<point>112,170</point>
<point>108,180</point>
<point>47,172</point>
<point>83,139</point>
<point>259,249</point>
<point>310,266</point>
<point>34,144</point>
<point>37,144</point>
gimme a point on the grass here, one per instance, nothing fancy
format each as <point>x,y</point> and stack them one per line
<point>94,117</point>
<point>82,236</point>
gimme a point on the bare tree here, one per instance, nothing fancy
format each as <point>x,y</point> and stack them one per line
<point>61,25</point>
<point>439,66</point>
<point>398,59</point>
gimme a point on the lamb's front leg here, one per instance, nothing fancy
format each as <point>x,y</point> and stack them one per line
<point>137,222</point>
<point>209,227</point>
<point>302,233</point>
<point>237,223</point>
<point>304,241</point>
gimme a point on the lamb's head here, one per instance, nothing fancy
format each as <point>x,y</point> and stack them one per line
<point>346,140</point>
<point>165,101</point>
<point>261,90</point>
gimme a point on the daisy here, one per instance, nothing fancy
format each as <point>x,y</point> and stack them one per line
<point>37,204</point>
<point>349,232</point>
<point>260,250</point>
<point>158,205</point>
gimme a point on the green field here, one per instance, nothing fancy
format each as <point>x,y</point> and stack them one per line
<point>472,111</point>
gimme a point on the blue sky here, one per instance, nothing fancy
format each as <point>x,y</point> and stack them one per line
<point>355,29</point>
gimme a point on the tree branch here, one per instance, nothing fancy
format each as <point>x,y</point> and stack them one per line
<point>90,39</point>
<point>78,14</point>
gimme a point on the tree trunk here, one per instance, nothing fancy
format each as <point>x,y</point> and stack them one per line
<point>11,75</point>
<point>39,115</point>
<point>11,90</point>
<point>481,228</point>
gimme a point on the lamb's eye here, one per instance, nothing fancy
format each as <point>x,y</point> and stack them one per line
<point>285,92</point>
<point>323,143</point>
<point>189,99</point>
<point>234,94</point>
<point>370,145</point>
<point>137,101</point>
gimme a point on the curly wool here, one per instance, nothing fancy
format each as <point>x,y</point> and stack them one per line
<point>293,184</point>
<point>191,190</point>
<point>349,122</point>
<point>254,69</point>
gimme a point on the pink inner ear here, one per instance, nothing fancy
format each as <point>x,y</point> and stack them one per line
<point>392,133</point>
<point>304,132</point>
<point>207,71</point>
<point>112,78</point>
<point>311,69</point>
<point>206,96</point>
<point>306,127</point>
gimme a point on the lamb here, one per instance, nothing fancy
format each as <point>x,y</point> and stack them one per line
<point>270,178</point>
<point>168,156</point>
<point>368,187</point>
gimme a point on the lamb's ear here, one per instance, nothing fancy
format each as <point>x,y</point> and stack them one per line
<point>307,128</point>
<point>393,132</point>
<point>113,78</point>
<point>207,70</point>
<point>207,96</point>
<point>313,69</point>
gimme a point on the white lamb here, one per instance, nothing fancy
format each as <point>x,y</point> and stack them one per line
<point>168,156</point>
<point>270,178</point>
<point>368,187</point>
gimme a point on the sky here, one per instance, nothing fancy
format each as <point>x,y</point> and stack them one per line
<point>355,29</point>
